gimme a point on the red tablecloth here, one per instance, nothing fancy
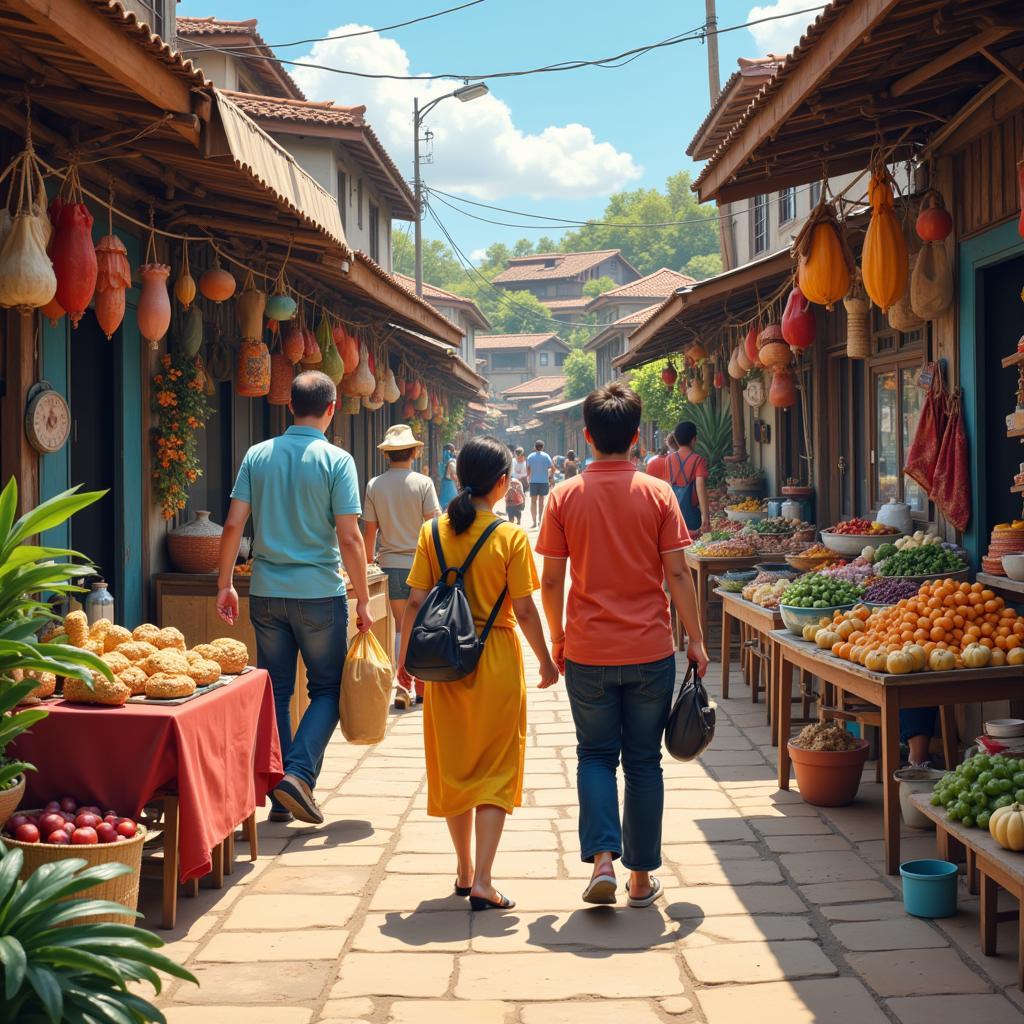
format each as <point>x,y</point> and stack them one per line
<point>220,754</point>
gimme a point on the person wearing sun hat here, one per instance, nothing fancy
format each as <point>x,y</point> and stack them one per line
<point>397,504</point>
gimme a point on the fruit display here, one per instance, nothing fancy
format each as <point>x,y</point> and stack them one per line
<point>734,547</point>
<point>890,591</point>
<point>929,560</point>
<point>748,505</point>
<point>860,571</point>
<point>863,528</point>
<point>918,539</point>
<point>766,594</point>
<point>775,526</point>
<point>1006,826</point>
<point>63,822</point>
<point>147,661</point>
<point>979,788</point>
<point>816,590</point>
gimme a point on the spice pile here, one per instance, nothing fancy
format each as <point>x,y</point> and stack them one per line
<point>863,528</point>
<point>774,525</point>
<point>734,547</point>
<point>748,505</point>
<point>825,736</point>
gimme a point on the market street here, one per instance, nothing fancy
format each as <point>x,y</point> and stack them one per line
<point>771,906</point>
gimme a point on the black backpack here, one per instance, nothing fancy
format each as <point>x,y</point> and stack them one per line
<point>444,645</point>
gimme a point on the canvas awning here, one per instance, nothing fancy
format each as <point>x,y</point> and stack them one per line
<point>561,407</point>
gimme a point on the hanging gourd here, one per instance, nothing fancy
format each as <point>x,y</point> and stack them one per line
<point>719,380</point>
<point>293,345</point>
<point>27,279</point>
<point>250,305</point>
<point>931,282</point>
<point>185,285</point>
<point>772,349</point>
<point>362,380</point>
<point>782,394</point>
<point>408,410</point>
<point>348,348</point>
<point>884,257</point>
<point>422,402</point>
<point>798,326</point>
<point>901,315</point>
<point>390,390</point>
<point>695,393</point>
<point>53,310</point>
<point>669,375</point>
<point>824,262</point>
<point>934,224</point>
<point>280,305</point>
<point>311,355</point>
<point>192,331</point>
<point>735,370</point>
<point>73,254</point>
<point>330,361</point>
<point>858,338</point>
<point>282,373</point>
<point>113,276</point>
<point>217,284</point>
<point>252,369</point>
<point>153,313</point>
<point>750,346</point>
<point>696,352</point>
<point>375,399</point>
<point>414,389</point>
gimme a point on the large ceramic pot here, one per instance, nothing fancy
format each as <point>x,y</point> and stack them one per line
<point>828,778</point>
<point>195,546</point>
<point>10,798</point>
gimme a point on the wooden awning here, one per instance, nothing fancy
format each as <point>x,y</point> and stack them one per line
<point>895,73</point>
<point>702,310</point>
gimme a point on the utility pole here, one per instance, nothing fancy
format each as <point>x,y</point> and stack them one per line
<point>711,38</point>
<point>418,191</point>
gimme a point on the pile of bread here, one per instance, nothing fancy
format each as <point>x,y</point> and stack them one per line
<point>147,661</point>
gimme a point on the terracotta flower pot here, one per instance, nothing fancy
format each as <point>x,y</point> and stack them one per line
<point>829,778</point>
<point>10,798</point>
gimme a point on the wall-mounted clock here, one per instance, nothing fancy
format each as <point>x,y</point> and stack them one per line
<point>47,418</point>
<point>753,394</point>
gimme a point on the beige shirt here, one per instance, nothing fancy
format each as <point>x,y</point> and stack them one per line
<point>398,501</point>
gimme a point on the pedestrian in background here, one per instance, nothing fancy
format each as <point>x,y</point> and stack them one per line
<point>623,537</point>
<point>688,475</point>
<point>521,469</point>
<point>658,466</point>
<point>474,729</point>
<point>396,506</point>
<point>515,501</point>
<point>541,469</point>
<point>303,494</point>
<point>446,473</point>
<point>571,467</point>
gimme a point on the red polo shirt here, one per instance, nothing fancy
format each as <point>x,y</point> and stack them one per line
<point>613,524</point>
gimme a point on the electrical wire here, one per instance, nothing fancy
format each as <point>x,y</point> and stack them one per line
<point>614,61</point>
<point>354,35</point>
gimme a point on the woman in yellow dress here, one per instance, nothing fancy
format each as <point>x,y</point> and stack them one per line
<point>474,729</point>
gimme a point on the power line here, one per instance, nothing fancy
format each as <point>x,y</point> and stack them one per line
<point>353,35</point>
<point>614,61</point>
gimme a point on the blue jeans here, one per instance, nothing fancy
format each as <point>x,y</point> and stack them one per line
<point>917,722</point>
<point>318,629</point>
<point>621,710</point>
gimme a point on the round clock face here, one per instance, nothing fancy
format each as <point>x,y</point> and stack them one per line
<point>753,394</point>
<point>47,422</point>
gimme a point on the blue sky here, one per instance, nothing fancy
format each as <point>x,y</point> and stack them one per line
<point>554,144</point>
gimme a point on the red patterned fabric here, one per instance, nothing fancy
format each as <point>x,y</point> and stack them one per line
<point>924,449</point>
<point>952,481</point>
<point>220,754</point>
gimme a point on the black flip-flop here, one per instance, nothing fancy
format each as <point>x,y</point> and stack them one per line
<point>462,890</point>
<point>480,903</point>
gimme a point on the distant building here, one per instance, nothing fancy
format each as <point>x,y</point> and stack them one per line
<point>460,310</point>
<point>511,359</point>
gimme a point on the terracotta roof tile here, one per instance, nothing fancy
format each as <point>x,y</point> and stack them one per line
<point>493,342</point>
<point>431,291</point>
<point>731,104</point>
<point>625,324</point>
<point>563,265</point>
<point>659,285</point>
<point>580,303</point>
<point>305,111</point>
<point>536,386</point>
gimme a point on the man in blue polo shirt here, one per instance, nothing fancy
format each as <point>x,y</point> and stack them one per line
<point>303,496</point>
<point>541,470</point>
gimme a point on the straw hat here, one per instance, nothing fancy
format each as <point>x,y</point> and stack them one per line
<point>399,438</point>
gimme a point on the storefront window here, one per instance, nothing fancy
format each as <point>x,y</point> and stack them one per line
<point>897,405</point>
<point>911,398</point>
<point>886,455</point>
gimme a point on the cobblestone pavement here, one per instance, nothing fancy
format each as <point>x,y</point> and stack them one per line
<point>773,909</point>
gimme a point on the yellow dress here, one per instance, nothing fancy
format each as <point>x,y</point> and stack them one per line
<point>474,729</point>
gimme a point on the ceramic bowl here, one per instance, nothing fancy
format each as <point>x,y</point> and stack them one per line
<point>1013,566</point>
<point>795,618</point>
<point>850,545</point>
<point>1005,728</point>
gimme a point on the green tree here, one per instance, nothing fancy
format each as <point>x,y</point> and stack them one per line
<point>664,407</point>
<point>703,267</point>
<point>580,374</point>
<point>598,286</point>
<point>515,312</point>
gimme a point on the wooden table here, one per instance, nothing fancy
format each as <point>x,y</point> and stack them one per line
<point>704,568</point>
<point>996,868</point>
<point>890,694</point>
<point>763,621</point>
<point>1011,591</point>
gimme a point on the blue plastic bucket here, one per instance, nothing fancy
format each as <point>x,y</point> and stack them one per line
<point>929,888</point>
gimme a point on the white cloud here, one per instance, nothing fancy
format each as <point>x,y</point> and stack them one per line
<point>779,37</point>
<point>478,149</point>
<point>477,256</point>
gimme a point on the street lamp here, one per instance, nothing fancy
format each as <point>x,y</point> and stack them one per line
<point>464,93</point>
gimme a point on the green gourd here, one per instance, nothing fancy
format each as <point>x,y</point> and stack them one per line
<point>192,331</point>
<point>330,360</point>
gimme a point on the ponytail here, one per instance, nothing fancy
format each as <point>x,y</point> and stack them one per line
<point>462,511</point>
<point>481,464</point>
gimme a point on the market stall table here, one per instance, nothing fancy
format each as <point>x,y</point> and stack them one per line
<point>889,693</point>
<point>763,622</point>
<point>703,568</point>
<point>218,754</point>
<point>1011,591</point>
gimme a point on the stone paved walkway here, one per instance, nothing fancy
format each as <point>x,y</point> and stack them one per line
<point>773,910</point>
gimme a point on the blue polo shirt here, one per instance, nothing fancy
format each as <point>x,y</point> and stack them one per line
<point>540,464</point>
<point>295,485</point>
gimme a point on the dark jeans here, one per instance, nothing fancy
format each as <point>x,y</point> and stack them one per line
<point>621,710</point>
<point>514,513</point>
<point>917,722</point>
<point>318,629</point>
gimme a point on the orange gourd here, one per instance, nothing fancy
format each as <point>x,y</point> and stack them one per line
<point>53,311</point>
<point>113,276</point>
<point>154,310</point>
<point>252,369</point>
<point>782,394</point>
<point>348,348</point>
<point>217,284</point>
<point>884,258</point>
<point>934,224</point>
<point>824,263</point>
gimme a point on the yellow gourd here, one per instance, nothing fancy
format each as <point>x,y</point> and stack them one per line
<point>875,661</point>
<point>976,656</point>
<point>824,264</point>
<point>884,259</point>
<point>1007,827</point>
<point>917,656</point>
<point>810,631</point>
<point>1015,656</point>
<point>827,638</point>
<point>899,663</point>
<point>942,661</point>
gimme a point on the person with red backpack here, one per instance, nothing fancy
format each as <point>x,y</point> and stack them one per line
<point>688,474</point>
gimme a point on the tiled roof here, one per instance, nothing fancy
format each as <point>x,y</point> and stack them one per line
<point>431,291</point>
<point>269,71</point>
<point>659,285</point>
<point>493,342</point>
<point>580,303</point>
<point>625,324</point>
<point>732,102</point>
<point>364,147</point>
<point>563,265</point>
<point>537,386</point>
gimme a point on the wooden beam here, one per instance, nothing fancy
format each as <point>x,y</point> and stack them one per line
<point>968,48</point>
<point>86,32</point>
<point>1010,72</point>
<point>966,111</point>
<point>830,49</point>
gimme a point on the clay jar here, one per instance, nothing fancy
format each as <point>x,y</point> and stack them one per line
<point>252,369</point>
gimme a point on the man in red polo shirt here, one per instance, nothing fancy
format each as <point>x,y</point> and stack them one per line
<point>623,537</point>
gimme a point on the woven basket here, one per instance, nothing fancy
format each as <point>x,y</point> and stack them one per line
<point>10,798</point>
<point>124,889</point>
<point>195,546</point>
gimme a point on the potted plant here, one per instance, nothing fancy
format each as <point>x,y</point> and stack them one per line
<point>28,571</point>
<point>828,762</point>
<point>53,972</point>
<point>744,477</point>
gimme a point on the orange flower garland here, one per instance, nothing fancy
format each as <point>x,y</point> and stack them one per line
<point>179,401</point>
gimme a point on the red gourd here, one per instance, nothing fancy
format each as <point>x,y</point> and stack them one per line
<point>293,345</point>
<point>113,276</point>
<point>798,326</point>
<point>669,375</point>
<point>750,346</point>
<point>782,394</point>
<point>74,259</point>
<point>413,390</point>
<point>348,348</point>
<point>934,224</point>
<point>719,379</point>
<point>154,310</point>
